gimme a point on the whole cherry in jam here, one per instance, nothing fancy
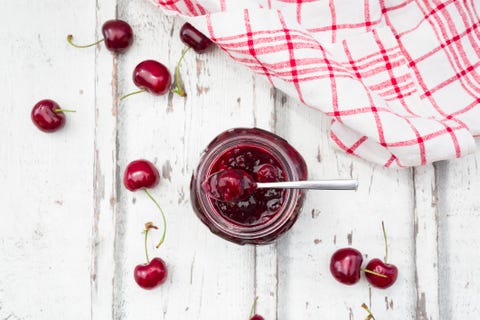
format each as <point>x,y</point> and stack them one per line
<point>117,35</point>
<point>154,272</point>
<point>140,174</point>
<point>48,116</point>
<point>259,205</point>
<point>345,265</point>
<point>229,185</point>
<point>151,76</point>
<point>194,38</point>
<point>388,271</point>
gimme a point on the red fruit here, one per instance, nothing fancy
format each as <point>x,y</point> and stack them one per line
<point>152,76</point>
<point>118,35</point>
<point>47,116</point>
<point>378,266</point>
<point>345,265</point>
<point>140,174</point>
<point>386,273</point>
<point>229,185</point>
<point>257,317</point>
<point>152,274</point>
<point>194,38</point>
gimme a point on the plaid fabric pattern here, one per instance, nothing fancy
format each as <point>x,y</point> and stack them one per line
<point>399,78</point>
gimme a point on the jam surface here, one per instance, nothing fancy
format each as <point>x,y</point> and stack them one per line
<point>262,204</point>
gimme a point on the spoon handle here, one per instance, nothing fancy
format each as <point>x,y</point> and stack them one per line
<point>316,185</point>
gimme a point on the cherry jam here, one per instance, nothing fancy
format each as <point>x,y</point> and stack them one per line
<point>262,204</point>
<point>267,213</point>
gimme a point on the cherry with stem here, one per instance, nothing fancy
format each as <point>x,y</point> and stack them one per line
<point>193,39</point>
<point>154,272</point>
<point>117,35</point>
<point>388,270</point>
<point>48,116</point>
<point>150,76</point>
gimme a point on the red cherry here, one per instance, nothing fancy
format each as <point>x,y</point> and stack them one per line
<point>151,76</point>
<point>386,273</point>
<point>345,265</point>
<point>257,317</point>
<point>194,38</point>
<point>48,116</point>
<point>229,185</point>
<point>140,174</point>
<point>378,266</point>
<point>117,34</point>
<point>152,274</point>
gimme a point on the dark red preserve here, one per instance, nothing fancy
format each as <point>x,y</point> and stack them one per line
<point>266,213</point>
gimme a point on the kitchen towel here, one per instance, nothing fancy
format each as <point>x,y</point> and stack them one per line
<point>399,78</point>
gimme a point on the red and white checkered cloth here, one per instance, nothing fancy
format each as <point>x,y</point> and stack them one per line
<point>400,78</point>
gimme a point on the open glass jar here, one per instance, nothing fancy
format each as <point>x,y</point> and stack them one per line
<point>267,213</point>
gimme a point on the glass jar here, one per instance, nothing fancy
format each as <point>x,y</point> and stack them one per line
<point>267,213</point>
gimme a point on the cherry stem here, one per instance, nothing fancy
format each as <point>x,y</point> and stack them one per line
<point>386,243</point>
<point>70,37</point>
<point>252,311</point>
<point>163,218</point>
<point>374,273</point>
<point>131,94</point>
<point>148,226</point>
<point>178,86</point>
<point>64,110</point>
<point>370,315</point>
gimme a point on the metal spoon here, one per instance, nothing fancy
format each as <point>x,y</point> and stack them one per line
<point>338,184</point>
<point>235,184</point>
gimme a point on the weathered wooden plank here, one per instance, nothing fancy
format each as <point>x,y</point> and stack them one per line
<point>332,220</point>
<point>458,215</point>
<point>47,187</point>
<point>426,243</point>
<point>105,172</point>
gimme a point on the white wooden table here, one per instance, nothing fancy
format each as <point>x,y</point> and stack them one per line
<point>70,233</point>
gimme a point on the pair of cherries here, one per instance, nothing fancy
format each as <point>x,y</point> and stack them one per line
<point>143,175</point>
<point>346,267</point>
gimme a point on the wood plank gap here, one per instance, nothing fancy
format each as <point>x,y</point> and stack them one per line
<point>96,203</point>
<point>105,172</point>
<point>426,242</point>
